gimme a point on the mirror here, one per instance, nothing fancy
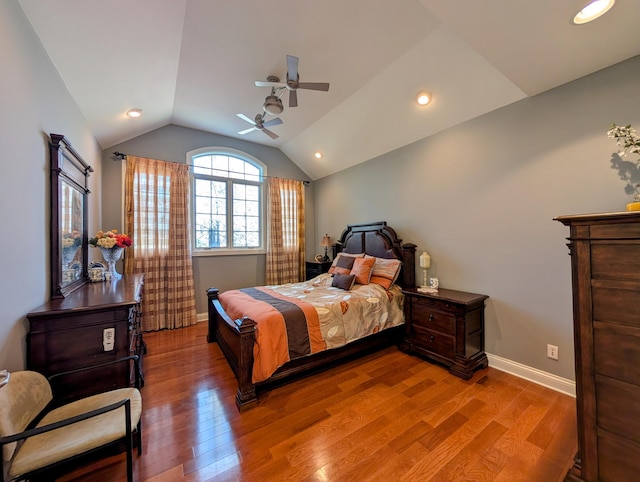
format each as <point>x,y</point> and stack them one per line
<point>69,246</point>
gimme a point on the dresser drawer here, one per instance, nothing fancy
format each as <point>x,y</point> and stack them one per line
<point>618,407</point>
<point>615,260</point>
<point>615,347</point>
<point>617,458</point>
<point>436,343</point>
<point>614,303</point>
<point>427,316</point>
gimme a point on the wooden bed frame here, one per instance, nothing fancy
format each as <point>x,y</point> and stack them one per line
<point>236,337</point>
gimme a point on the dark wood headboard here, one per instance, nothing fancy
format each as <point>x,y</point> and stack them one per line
<point>379,240</point>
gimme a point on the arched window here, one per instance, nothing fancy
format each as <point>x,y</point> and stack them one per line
<point>227,210</point>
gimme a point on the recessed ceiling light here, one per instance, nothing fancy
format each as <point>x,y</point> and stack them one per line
<point>423,98</point>
<point>318,155</point>
<point>593,10</point>
<point>134,113</point>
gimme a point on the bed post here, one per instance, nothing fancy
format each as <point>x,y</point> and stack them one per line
<point>212,293</point>
<point>236,339</point>
<point>408,265</point>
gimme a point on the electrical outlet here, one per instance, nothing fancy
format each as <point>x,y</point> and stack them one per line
<point>108,338</point>
<point>552,352</point>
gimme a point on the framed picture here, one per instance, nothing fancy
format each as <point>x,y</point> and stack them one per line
<point>319,258</point>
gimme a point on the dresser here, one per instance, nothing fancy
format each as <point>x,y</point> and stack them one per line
<point>314,268</point>
<point>605,273</point>
<point>448,327</point>
<point>96,323</point>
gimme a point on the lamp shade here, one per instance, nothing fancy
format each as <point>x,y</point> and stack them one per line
<point>425,260</point>
<point>326,241</point>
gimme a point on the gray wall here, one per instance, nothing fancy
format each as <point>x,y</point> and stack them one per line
<point>34,103</point>
<point>171,143</point>
<point>481,199</point>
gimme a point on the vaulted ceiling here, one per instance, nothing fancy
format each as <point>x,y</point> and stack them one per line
<point>194,63</point>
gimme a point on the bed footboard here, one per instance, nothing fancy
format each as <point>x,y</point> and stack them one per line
<point>236,340</point>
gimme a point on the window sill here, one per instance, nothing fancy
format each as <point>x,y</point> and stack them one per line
<point>227,252</point>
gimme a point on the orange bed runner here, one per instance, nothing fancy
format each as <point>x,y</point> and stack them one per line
<point>286,328</point>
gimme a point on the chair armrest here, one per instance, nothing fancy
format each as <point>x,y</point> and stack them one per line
<point>69,421</point>
<point>4,377</point>
<point>135,358</point>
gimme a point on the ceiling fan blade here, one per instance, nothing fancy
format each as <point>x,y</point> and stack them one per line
<point>293,99</point>
<point>246,131</point>
<point>292,67</point>
<point>314,86</point>
<point>273,122</point>
<point>273,135</point>
<point>245,118</point>
<point>267,83</point>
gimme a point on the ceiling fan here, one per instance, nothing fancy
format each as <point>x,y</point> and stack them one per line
<point>260,125</point>
<point>293,82</point>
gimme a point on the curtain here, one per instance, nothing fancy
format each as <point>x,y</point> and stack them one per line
<point>157,219</point>
<point>285,232</point>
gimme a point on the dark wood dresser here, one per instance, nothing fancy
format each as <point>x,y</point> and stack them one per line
<point>447,326</point>
<point>69,333</point>
<point>605,272</point>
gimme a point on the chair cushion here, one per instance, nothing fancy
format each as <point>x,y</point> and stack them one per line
<point>21,400</point>
<point>57,445</point>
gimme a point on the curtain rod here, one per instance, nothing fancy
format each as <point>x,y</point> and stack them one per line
<point>123,156</point>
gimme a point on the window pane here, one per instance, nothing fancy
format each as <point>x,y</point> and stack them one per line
<point>252,208</point>
<point>203,204</point>
<point>203,187</point>
<point>220,163</point>
<point>239,191</point>
<point>202,165</point>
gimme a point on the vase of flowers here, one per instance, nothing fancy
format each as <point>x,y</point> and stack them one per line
<point>112,244</point>
<point>629,142</point>
<point>71,241</point>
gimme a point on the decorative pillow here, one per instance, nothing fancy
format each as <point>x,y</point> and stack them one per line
<point>362,268</point>
<point>343,263</point>
<point>385,271</point>
<point>343,281</point>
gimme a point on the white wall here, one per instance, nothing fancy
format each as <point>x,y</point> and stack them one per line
<point>481,199</point>
<point>33,103</point>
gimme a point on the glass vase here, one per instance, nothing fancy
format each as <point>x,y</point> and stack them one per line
<point>68,254</point>
<point>111,255</point>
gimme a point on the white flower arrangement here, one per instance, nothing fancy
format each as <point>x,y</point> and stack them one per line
<point>627,139</point>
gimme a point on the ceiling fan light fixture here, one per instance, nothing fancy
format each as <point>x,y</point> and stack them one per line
<point>272,105</point>
<point>593,10</point>
<point>134,113</point>
<point>423,98</point>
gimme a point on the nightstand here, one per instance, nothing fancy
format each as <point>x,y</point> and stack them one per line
<point>448,327</point>
<point>313,268</point>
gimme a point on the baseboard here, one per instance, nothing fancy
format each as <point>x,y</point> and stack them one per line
<point>559,384</point>
<point>202,317</point>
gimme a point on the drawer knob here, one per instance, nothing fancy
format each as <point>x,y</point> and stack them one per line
<point>431,339</point>
<point>431,316</point>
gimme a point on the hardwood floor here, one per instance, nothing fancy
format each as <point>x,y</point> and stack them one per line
<point>388,416</point>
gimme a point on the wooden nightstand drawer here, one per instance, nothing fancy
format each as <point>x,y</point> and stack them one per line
<point>437,343</point>
<point>426,317</point>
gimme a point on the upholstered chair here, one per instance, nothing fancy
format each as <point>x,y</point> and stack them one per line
<point>36,439</point>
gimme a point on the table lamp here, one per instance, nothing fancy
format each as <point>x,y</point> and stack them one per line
<point>326,242</point>
<point>425,264</point>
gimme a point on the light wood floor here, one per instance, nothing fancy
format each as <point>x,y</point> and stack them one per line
<point>388,416</point>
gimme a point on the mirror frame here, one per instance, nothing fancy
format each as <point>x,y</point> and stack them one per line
<point>66,166</point>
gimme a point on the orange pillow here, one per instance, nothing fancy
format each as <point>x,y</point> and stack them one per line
<point>362,268</point>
